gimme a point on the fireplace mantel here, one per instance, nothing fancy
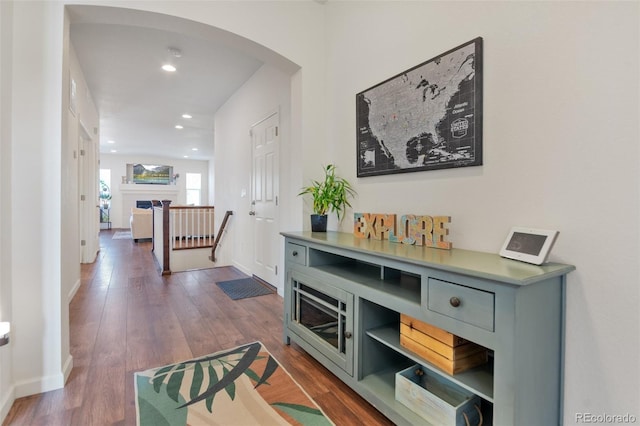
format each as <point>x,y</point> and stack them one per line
<point>139,188</point>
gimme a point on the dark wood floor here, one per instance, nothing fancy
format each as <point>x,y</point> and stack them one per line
<point>126,318</point>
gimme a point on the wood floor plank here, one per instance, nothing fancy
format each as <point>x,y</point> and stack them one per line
<point>125,317</point>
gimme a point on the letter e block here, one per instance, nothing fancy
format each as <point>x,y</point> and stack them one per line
<point>440,232</point>
<point>358,225</point>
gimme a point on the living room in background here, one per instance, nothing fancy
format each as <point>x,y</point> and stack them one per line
<point>194,188</point>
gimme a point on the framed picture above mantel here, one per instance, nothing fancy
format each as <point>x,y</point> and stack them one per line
<point>150,174</point>
<point>426,118</point>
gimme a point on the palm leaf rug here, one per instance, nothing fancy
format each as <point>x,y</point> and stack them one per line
<point>241,386</point>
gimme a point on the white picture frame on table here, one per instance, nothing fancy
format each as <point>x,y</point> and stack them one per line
<point>529,244</point>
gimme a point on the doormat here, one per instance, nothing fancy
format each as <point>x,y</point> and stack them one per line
<point>122,235</point>
<point>243,288</point>
<point>240,386</point>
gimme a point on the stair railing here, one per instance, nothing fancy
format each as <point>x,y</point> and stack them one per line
<point>216,243</point>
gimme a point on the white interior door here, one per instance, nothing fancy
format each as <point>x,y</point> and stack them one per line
<point>89,211</point>
<point>264,204</point>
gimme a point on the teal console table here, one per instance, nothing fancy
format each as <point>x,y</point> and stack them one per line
<point>344,297</point>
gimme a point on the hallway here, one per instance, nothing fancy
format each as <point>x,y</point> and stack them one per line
<point>126,318</point>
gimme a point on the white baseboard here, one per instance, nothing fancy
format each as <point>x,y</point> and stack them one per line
<point>39,385</point>
<point>33,387</point>
<point>7,403</point>
<point>66,369</point>
<point>242,268</point>
<point>73,291</point>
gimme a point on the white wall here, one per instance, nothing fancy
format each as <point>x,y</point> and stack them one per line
<point>560,152</point>
<point>7,390</point>
<point>120,208</point>
<point>268,90</point>
<point>39,341</point>
<point>84,114</point>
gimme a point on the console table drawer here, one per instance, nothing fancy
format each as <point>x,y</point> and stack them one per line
<point>296,254</point>
<point>475,307</point>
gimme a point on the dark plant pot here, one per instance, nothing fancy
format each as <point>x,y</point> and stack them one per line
<point>319,223</point>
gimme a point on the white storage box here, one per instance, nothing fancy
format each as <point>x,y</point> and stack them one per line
<point>437,399</point>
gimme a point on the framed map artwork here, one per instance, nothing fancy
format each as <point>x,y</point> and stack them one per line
<point>426,118</point>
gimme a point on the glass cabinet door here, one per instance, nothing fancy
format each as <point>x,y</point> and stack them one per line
<point>323,315</point>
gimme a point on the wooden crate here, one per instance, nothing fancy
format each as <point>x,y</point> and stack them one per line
<point>453,358</point>
<point>433,331</point>
<point>436,399</point>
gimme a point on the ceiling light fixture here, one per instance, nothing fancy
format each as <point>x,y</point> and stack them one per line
<point>186,116</point>
<point>179,126</point>
<point>113,150</point>
<point>174,54</point>
<point>111,141</point>
<point>194,149</point>
<point>186,156</point>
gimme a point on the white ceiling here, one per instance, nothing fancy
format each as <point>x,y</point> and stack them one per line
<point>139,104</point>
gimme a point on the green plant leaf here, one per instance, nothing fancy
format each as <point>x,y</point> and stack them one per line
<point>196,384</point>
<point>230,389</point>
<point>217,356</point>
<point>175,382</point>
<point>155,408</point>
<point>247,359</point>
<point>252,375</point>
<point>269,369</point>
<point>159,377</point>
<point>213,378</point>
<point>332,194</point>
<point>307,416</point>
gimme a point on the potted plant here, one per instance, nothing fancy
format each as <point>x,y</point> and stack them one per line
<point>105,196</point>
<point>330,194</point>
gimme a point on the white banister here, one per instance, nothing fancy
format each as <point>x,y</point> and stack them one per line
<point>192,227</point>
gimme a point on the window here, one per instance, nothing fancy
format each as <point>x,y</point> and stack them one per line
<point>105,176</point>
<point>194,184</point>
<point>104,194</point>
<point>104,188</point>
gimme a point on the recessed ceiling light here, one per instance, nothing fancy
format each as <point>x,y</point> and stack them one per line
<point>186,116</point>
<point>194,149</point>
<point>113,150</point>
<point>186,156</point>
<point>111,141</point>
<point>169,68</point>
<point>179,126</point>
<point>175,52</point>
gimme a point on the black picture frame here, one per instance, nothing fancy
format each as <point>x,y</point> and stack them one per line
<point>428,117</point>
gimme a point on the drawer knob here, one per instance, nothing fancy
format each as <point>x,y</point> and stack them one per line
<point>295,253</point>
<point>454,301</point>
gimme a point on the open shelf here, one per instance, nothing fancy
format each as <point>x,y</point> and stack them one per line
<point>381,385</point>
<point>478,380</point>
<point>399,283</point>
